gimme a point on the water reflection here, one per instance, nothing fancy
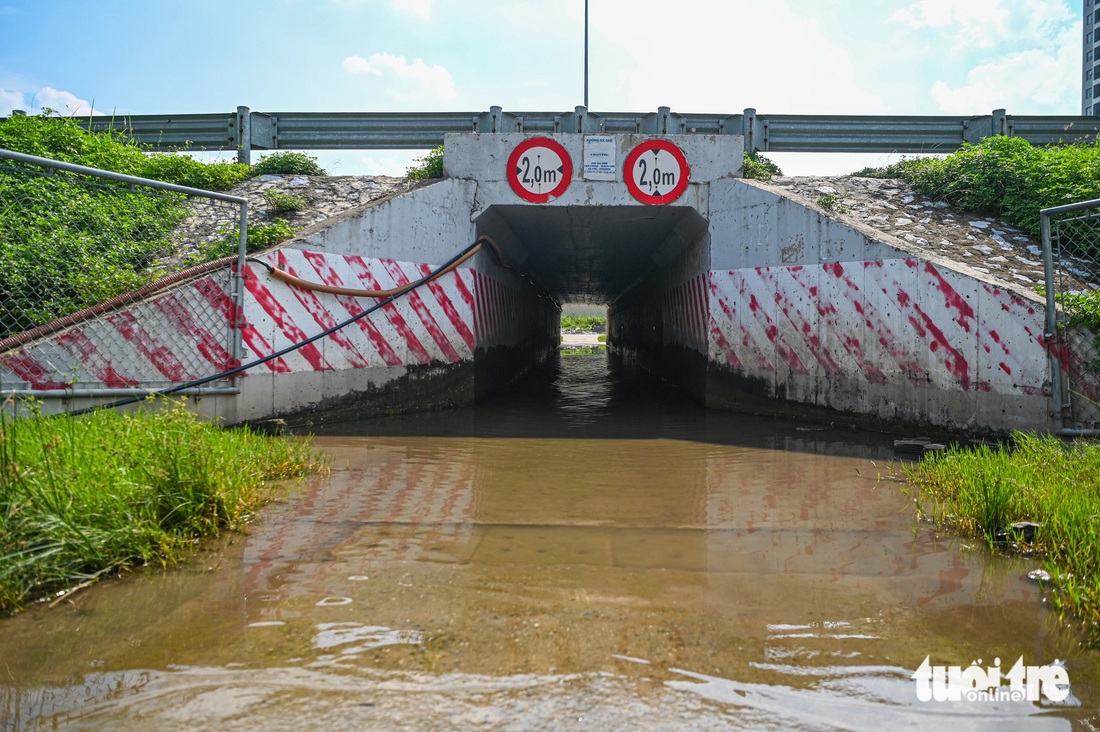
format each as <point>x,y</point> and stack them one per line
<point>587,553</point>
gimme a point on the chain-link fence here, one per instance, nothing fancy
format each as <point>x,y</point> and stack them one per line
<point>112,284</point>
<point>1071,246</point>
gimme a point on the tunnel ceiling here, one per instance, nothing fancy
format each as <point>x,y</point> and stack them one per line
<point>591,254</point>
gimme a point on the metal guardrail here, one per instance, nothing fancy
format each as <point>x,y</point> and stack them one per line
<point>245,130</point>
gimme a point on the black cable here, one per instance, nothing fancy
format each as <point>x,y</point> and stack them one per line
<point>289,349</point>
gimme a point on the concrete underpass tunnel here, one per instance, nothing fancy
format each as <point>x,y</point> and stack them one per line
<point>644,253</point>
<point>627,258</point>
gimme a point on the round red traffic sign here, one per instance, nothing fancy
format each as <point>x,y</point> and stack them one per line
<point>539,169</point>
<point>656,172</point>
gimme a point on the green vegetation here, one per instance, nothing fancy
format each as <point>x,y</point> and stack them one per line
<point>284,202</point>
<point>830,202</point>
<point>583,323</point>
<point>84,497</point>
<point>185,170</point>
<point>1005,177</point>
<point>759,167</point>
<point>260,236</point>
<point>288,163</point>
<point>982,493</point>
<point>68,242</point>
<point>429,166</point>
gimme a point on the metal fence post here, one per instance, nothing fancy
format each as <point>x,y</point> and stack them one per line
<point>1057,383</point>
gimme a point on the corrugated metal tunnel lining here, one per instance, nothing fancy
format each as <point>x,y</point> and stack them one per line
<point>592,254</point>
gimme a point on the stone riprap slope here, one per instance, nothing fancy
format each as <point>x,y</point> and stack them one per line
<point>325,197</point>
<point>933,228</point>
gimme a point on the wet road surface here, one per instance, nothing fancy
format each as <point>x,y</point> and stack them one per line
<point>583,553</point>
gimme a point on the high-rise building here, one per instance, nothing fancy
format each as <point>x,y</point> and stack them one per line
<point>1090,59</point>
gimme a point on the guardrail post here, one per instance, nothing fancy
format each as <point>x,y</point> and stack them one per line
<point>752,130</point>
<point>497,120</point>
<point>1000,122</point>
<point>244,135</point>
<point>583,122</point>
<point>664,122</point>
<point>977,129</point>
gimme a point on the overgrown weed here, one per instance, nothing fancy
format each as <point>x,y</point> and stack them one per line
<point>1041,480</point>
<point>81,497</point>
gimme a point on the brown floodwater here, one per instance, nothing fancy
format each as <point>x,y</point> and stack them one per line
<point>583,553</point>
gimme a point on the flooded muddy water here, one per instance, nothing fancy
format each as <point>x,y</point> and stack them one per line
<point>580,554</point>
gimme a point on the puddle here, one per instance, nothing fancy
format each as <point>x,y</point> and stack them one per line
<point>587,555</point>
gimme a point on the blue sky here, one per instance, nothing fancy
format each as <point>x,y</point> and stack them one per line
<point>698,56</point>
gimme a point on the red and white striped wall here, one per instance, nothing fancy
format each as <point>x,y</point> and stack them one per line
<point>432,324</point>
<point>899,322</point>
<point>683,310</point>
<point>184,334</point>
<point>506,315</point>
<point>177,336</point>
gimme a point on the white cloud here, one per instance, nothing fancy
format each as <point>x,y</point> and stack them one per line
<point>987,24</point>
<point>422,8</point>
<point>434,79</point>
<point>63,102</point>
<point>769,56</point>
<point>1026,82</point>
<point>969,22</point>
<point>10,101</point>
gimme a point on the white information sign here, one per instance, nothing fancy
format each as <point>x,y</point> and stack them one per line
<point>599,157</point>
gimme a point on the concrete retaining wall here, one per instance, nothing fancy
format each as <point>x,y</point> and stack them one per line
<point>818,311</point>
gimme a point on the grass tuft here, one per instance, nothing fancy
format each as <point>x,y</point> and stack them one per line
<point>82,497</point>
<point>1043,480</point>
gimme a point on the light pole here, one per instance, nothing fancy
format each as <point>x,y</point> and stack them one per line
<point>586,54</point>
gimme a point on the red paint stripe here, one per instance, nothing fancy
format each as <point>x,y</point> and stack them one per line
<point>954,361</point>
<point>366,277</point>
<point>224,304</point>
<point>479,329</point>
<point>717,332</point>
<point>704,310</point>
<point>330,277</point>
<point>448,307</point>
<point>78,344</point>
<point>156,352</point>
<point>421,310</point>
<point>682,316</point>
<point>207,345</point>
<point>491,309</point>
<point>321,315</point>
<point>794,363</point>
<point>852,345</point>
<point>34,373</point>
<point>952,298</point>
<point>284,322</point>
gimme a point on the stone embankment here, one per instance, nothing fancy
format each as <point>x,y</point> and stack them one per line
<point>323,197</point>
<point>932,228</point>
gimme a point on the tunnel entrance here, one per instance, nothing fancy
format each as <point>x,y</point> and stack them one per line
<point>593,254</point>
<point>642,262</point>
